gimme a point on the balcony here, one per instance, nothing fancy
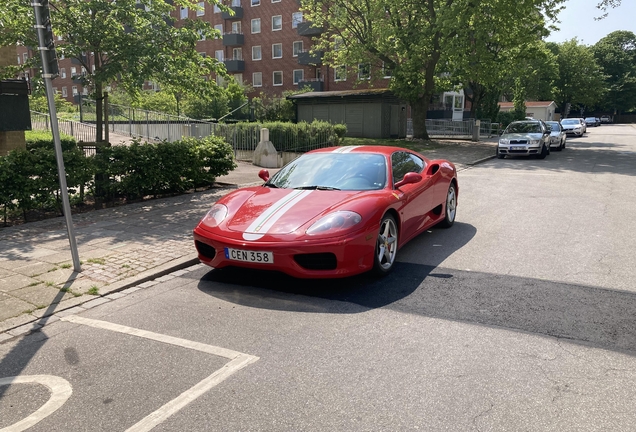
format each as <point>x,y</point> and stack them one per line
<point>308,58</point>
<point>233,39</point>
<point>306,29</point>
<point>234,65</point>
<point>316,84</point>
<point>238,13</point>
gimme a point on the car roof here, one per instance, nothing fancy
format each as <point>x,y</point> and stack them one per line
<point>377,149</point>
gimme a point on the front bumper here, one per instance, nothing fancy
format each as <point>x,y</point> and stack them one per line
<point>326,258</point>
<point>517,150</point>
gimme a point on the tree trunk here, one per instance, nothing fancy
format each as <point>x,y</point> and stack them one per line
<point>98,112</point>
<point>419,110</point>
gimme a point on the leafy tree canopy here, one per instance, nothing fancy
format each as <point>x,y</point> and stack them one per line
<point>616,55</point>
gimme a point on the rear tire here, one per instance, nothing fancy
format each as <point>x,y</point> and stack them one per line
<point>450,208</point>
<point>385,246</point>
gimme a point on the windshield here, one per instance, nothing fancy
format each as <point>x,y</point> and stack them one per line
<point>333,171</point>
<point>570,122</point>
<point>524,128</point>
<point>554,125</point>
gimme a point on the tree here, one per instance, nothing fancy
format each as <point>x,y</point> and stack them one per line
<point>604,5</point>
<point>122,43</point>
<point>580,80</point>
<point>616,55</point>
<point>416,40</point>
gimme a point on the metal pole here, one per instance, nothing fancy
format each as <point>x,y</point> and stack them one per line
<point>56,139</point>
<point>106,117</point>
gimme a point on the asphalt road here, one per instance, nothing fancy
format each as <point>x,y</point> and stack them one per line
<point>521,317</point>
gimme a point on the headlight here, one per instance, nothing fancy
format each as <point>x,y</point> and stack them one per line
<point>504,141</point>
<point>534,142</point>
<point>334,222</point>
<point>215,216</point>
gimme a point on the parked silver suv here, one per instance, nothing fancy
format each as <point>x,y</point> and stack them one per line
<point>525,138</point>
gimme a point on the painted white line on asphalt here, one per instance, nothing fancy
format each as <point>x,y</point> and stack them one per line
<point>238,362</point>
<point>60,389</point>
<point>210,349</point>
<point>190,395</point>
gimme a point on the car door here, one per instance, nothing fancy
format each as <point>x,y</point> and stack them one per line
<point>416,197</point>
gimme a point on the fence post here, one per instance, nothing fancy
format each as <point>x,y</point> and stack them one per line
<point>72,134</point>
<point>476,127</point>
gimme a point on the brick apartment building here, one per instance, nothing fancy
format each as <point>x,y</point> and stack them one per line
<point>265,44</point>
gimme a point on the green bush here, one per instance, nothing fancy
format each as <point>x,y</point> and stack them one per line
<point>340,130</point>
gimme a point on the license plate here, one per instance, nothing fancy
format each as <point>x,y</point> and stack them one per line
<point>518,148</point>
<point>249,256</point>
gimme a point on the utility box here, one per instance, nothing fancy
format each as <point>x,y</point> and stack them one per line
<point>14,106</point>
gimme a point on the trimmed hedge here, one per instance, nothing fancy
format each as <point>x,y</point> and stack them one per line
<point>29,179</point>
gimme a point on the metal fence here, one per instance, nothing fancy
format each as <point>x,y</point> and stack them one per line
<point>80,131</point>
<point>455,129</point>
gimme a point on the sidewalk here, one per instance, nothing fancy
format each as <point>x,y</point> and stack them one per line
<point>122,249</point>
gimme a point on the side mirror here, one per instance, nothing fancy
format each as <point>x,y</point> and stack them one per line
<point>409,178</point>
<point>264,174</point>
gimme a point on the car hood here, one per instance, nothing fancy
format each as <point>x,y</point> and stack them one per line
<point>283,211</point>
<point>527,136</point>
<point>570,126</point>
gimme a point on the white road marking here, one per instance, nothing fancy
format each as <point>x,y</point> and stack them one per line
<point>60,389</point>
<point>238,361</point>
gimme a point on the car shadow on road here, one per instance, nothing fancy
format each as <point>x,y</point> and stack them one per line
<point>264,289</point>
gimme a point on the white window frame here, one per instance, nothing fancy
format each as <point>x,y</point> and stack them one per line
<point>25,57</point>
<point>364,78</point>
<point>274,78</point>
<point>335,73</point>
<point>64,92</point>
<point>201,12</point>
<point>63,73</point>
<point>19,59</point>
<point>201,35</point>
<point>237,53</point>
<point>302,47</point>
<point>281,50</point>
<point>219,28</point>
<point>74,91</point>
<point>183,13</point>
<point>276,1</point>
<point>260,76</point>
<point>295,20</point>
<point>217,9</point>
<point>255,20</point>
<point>281,22</point>
<point>222,55</point>
<point>255,3</point>
<point>73,71</point>
<point>260,53</point>
<point>302,75</point>
<point>384,69</point>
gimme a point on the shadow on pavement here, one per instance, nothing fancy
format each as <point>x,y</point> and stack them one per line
<point>234,285</point>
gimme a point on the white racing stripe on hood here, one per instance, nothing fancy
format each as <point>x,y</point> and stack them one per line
<point>346,149</point>
<point>265,221</point>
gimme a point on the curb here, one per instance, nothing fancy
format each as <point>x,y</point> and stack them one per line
<point>33,324</point>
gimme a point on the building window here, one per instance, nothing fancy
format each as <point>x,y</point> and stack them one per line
<point>217,9</point>
<point>386,71</point>
<point>85,91</point>
<point>275,1</point>
<point>277,22</point>
<point>278,78</point>
<point>237,53</point>
<point>63,73</point>
<point>74,90</point>
<point>64,92</point>
<point>256,25</point>
<point>201,35</point>
<point>201,9</point>
<point>219,29</point>
<point>256,53</point>
<point>25,57</point>
<point>219,55</point>
<point>184,13</point>
<point>55,90</point>
<point>236,27</point>
<point>238,78</point>
<point>73,71</point>
<point>297,48</point>
<point>297,18</point>
<point>277,51</point>
<point>299,74</point>
<point>18,59</point>
<point>364,71</point>
<point>340,73</point>
<point>256,2</point>
<point>337,43</point>
<point>257,79</point>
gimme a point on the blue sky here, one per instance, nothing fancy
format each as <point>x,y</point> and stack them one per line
<point>577,20</point>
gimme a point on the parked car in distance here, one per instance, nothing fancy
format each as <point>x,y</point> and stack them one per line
<point>606,119</point>
<point>557,135</point>
<point>572,126</point>
<point>525,138</point>
<point>591,121</point>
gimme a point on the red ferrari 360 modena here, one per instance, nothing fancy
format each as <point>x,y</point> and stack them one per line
<point>332,212</point>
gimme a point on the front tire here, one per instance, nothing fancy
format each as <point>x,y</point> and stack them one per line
<point>385,246</point>
<point>450,209</point>
<point>543,153</point>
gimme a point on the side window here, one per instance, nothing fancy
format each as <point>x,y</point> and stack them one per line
<point>403,162</point>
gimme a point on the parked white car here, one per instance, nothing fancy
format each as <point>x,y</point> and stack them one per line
<point>572,126</point>
<point>525,138</point>
<point>557,135</point>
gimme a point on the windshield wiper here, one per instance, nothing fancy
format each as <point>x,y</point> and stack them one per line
<point>317,188</point>
<point>272,185</point>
